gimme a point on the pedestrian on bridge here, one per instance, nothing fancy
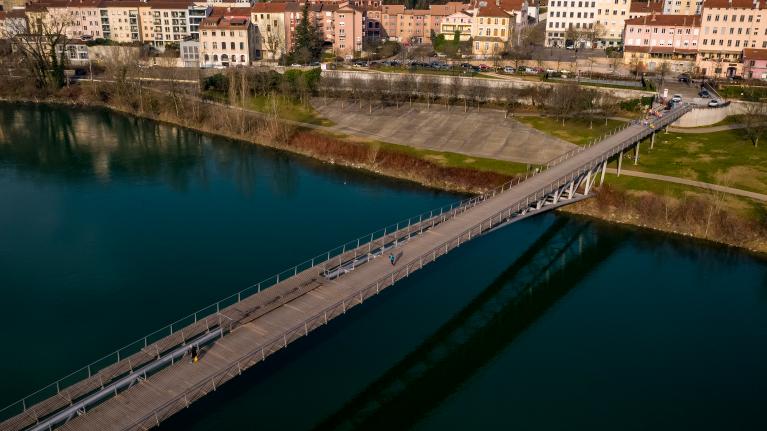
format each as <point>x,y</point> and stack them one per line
<point>194,354</point>
<point>391,258</point>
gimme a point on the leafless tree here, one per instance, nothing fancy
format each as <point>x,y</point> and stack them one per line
<point>357,87</point>
<point>510,99</point>
<point>409,86</point>
<point>453,91</point>
<point>42,45</point>
<point>274,42</point>
<point>429,89</point>
<point>755,121</point>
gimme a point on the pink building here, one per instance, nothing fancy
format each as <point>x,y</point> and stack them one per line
<point>653,40</point>
<point>755,63</point>
<point>349,30</point>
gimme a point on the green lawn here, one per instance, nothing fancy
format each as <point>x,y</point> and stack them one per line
<point>460,160</point>
<point>578,132</point>
<point>743,92</point>
<point>727,158</point>
<point>287,108</point>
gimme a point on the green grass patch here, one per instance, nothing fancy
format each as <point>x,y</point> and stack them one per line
<point>577,131</point>
<point>726,158</point>
<point>288,109</point>
<point>743,92</point>
<point>457,160</point>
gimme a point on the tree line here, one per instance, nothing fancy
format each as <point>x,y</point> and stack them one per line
<point>564,101</point>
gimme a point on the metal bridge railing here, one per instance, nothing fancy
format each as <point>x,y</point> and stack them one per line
<point>451,210</point>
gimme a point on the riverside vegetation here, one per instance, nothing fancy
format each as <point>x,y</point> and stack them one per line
<point>251,106</point>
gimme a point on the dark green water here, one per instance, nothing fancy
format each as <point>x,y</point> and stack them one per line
<point>111,227</point>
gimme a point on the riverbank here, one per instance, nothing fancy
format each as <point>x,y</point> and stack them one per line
<point>697,216</point>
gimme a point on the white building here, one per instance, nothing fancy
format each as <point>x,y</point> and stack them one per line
<point>227,38</point>
<point>579,15</point>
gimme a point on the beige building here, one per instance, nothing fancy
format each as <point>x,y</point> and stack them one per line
<point>228,38</point>
<point>460,22</point>
<point>170,22</point>
<point>126,20</point>
<point>608,25</point>
<point>491,30</point>
<point>272,27</point>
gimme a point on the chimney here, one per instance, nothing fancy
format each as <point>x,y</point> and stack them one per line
<point>652,17</point>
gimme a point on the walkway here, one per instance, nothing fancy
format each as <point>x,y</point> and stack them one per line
<point>709,129</point>
<point>240,331</point>
<point>707,186</point>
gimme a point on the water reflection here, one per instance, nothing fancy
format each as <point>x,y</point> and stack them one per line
<point>561,258</point>
<point>83,144</point>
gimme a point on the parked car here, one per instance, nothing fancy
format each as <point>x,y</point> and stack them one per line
<point>550,70</point>
<point>530,70</point>
<point>684,77</point>
<point>676,98</point>
<point>714,103</point>
<point>484,67</point>
<point>736,78</point>
<point>466,65</point>
<point>704,94</point>
<point>508,69</point>
<point>564,72</point>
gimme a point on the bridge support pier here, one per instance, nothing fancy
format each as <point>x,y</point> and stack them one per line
<point>604,169</point>
<point>636,154</point>
<point>620,162</point>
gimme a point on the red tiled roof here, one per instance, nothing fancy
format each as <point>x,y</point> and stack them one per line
<point>491,10</point>
<point>659,49</point>
<point>271,7</point>
<point>230,12</point>
<point>666,20</point>
<point>646,6</point>
<point>754,54</point>
<point>732,4</point>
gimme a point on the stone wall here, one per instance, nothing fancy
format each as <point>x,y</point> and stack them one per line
<point>346,75</point>
<point>705,116</point>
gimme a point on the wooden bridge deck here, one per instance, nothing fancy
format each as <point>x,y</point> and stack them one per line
<point>271,319</point>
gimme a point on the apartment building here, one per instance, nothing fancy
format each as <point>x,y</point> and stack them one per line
<point>609,23</point>
<point>682,7</point>
<point>729,27</point>
<point>126,20</point>
<point>272,25</point>
<point>349,32</point>
<point>459,22</point>
<point>491,30</point>
<point>170,22</point>
<point>228,38</point>
<point>653,40</point>
<point>578,15</point>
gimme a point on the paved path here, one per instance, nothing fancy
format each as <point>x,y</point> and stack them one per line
<point>684,181</point>
<point>484,133</point>
<point>702,130</point>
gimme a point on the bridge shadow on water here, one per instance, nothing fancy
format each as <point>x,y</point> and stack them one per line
<point>555,263</point>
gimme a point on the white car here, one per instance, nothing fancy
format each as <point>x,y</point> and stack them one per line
<point>508,69</point>
<point>714,103</point>
<point>677,98</point>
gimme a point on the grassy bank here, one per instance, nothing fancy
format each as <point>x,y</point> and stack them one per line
<point>648,203</point>
<point>726,158</point>
<point>577,131</point>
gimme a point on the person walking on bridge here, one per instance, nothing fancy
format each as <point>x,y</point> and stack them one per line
<point>391,258</point>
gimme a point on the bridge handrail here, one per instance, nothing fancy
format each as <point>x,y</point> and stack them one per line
<point>115,356</point>
<point>255,288</point>
<point>302,327</point>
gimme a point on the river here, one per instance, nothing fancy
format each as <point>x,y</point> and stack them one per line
<point>111,227</point>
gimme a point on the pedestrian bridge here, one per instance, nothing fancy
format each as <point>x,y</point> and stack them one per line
<point>145,382</point>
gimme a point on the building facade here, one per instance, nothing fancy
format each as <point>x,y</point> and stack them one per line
<point>228,38</point>
<point>669,41</point>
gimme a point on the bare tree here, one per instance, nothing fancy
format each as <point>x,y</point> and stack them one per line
<point>42,45</point>
<point>274,42</point>
<point>453,91</point>
<point>755,121</point>
<point>429,89</point>
<point>510,100</point>
<point>409,85</point>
